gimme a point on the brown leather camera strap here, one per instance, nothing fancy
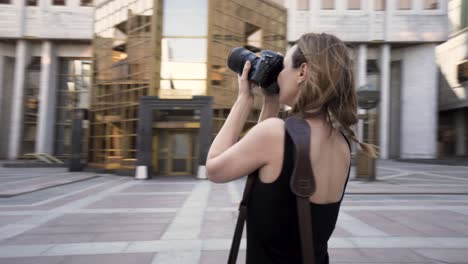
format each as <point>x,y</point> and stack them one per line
<point>302,184</point>
<point>241,218</point>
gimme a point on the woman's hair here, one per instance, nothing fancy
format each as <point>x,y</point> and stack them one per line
<point>329,87</point>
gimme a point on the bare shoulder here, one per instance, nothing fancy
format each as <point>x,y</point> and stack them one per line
<point>268,137</point>
<point>272,122</point>
<point>271,128</point>
<point>255,150</point>
<point>273,144</point>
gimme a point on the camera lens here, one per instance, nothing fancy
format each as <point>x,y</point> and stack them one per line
<point>239,57</point>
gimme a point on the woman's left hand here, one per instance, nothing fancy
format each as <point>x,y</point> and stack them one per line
<point>244,85</point>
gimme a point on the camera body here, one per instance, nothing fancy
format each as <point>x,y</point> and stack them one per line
<point>264,70</point>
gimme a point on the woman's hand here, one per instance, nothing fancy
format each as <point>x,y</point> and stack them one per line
<point>244,86</point>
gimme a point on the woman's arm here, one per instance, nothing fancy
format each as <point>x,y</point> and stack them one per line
<point>228,159</point>
<point>230,132</point>
<point>232,127</point>
<point>255,150</point>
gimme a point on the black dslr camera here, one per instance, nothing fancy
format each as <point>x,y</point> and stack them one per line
<point>264,70</point>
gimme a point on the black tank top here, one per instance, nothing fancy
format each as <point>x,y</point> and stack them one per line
<point>272,223</point>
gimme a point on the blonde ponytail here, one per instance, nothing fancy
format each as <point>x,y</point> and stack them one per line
<point>369,149</point>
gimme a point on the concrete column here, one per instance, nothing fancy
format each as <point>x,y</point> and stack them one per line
<point>419,108</point>
<point>384,100</point>
<point>460,133</point>
<point>389,7</point>
<point>2,70</point>
<point>361,80</point>
<point>22,16</point>
<point>47,100</point>
<point>362,65</point>
<point>16,128</point>
<point>6,87</point>
<point>3,132</point>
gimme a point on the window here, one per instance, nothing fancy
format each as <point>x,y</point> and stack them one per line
<point>181,67</point>
<point>328,4</point>
<point>73,89</point>
<point>86,2</point>
<point>404,4</point>
<point>379,5</point>
<point>302,4</point>
<point>194,13</point>
<point>31,106</point>
<point>58,2</point>
<point>253,35</point>
<point>31,2</point>
<point>431,4</point>
<point>5,2</point>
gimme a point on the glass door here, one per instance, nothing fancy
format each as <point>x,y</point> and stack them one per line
<point>180,160</point>
<point>173,152</point>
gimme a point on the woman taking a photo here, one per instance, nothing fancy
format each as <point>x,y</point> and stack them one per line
<point>317,83</point>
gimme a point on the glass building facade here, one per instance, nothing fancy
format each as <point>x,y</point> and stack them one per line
<point>74,83</point>
<point>172,49</point>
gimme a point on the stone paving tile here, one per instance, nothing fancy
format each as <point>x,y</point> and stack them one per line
<point>26,239</point>
<point>220,216</point>
<point>47,194</point>
<point>385,224</point>
<point>94,248</point>
<point>62,202</point>
<point>340,232</point>
<point>23,250</point>
<point>30,185</point>
<point>446,219</point>
<point>10,219</point>
<point>219,196</point>
<point>139,201</point>
<point>398,187</point>
<point>170,245</point>
<point>218,225</point>
<point>177,257</point>
<point>217,231</point>
<point>366,255</point>
<point>425,226</point>
<point>81,192</point>
<point>34,260</point>
<point>96,229</point>
<point>399,203</point>
<point>220,256</point>
<point>128,258</point>
<point>445,255</point>
<point>112,218</point>
<point>160,188</point>
<point>149,235</point>
<point>112,224</point>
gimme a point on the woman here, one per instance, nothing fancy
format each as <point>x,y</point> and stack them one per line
<point>317,83</point>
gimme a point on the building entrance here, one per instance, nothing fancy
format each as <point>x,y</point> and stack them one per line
<point>174,152</point>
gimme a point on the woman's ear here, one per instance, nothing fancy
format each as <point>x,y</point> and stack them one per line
<point>303,72</point>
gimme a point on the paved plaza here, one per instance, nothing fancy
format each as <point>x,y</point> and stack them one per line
<point>413,213</point>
